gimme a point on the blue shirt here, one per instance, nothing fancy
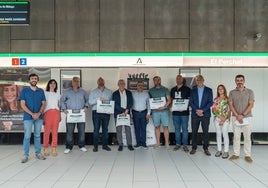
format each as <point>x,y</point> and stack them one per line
<point>33,101</point>
<point>74,100</point>
<point>200,94</point>
<point>141,101</point>
<point>96,94</point>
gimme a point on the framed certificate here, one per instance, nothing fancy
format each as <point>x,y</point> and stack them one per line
<point>122,120</point>
<point>76,116</point>
<point>157,102</point>
<point>106,107</point>
<point>180,104</point>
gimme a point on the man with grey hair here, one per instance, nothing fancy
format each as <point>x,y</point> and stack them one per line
<point>123,102</point>
<point>100,119</point>
<point>74,98</point>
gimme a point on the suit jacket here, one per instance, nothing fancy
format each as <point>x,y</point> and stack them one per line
<point>117,102</point>
<point>206,103</point>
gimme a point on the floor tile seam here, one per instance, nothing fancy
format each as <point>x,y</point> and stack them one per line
<point>68,169</point>
<point>155,169</point>
<point>178,172</point>
<point>111,170</point>
<point>249,173</point>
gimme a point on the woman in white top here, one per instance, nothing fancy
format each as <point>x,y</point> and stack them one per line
<point>52,117</point>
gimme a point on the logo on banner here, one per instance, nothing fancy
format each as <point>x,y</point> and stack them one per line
<point>139,61</point>
<point>19,61</point>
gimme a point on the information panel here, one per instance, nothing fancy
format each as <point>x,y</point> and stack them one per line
<point>14,13</point>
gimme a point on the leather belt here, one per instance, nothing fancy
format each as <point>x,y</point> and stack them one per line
<point>140,111</point>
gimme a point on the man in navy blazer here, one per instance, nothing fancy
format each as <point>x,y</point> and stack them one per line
<point>123,102</point>
<point>201,100</point>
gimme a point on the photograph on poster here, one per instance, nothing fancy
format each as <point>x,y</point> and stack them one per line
<point>12,82</point>
<point>11,114</point>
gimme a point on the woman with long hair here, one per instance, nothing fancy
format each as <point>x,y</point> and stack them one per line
<point>221,112</point>
<point>10,93</point>
<point>52,117</point>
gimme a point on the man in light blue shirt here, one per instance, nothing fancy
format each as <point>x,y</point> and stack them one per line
<point>100,119</point>
<point>141,114</point>
<point>74,98</point>
<point>201,99</point>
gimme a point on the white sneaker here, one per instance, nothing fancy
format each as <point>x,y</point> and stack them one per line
<point>66,151</point>
<point>157,146</point>
<point>83,149</point>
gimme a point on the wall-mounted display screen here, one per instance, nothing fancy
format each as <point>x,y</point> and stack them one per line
<point>14,13</point>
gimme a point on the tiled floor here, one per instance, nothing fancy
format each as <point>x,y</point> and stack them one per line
<point>132,169</point>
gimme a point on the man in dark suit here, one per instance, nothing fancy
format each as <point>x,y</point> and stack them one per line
<point>201,100</point>
<point>123,102</point>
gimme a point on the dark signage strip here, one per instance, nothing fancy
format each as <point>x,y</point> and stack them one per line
<point>14,13</point>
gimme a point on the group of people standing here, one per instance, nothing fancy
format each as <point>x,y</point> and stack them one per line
<point>44,108</point>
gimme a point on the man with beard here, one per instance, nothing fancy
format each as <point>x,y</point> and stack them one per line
<point>241,102</point>
<point>180,118</point>
<point>100,119</point>
<point>160,115</point>
<point>33,101</point>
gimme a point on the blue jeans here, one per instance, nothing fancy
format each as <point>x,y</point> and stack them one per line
<point>100,119</point>
<point>70,135</point>
<point>205,126</point>
<point>140,122</point>
<point>181,123</point>
<point>27,135</point>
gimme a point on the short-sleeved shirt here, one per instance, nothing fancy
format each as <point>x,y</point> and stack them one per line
<point>183,92</point>
<point>33,100</point>
<point>52,100</point>
<point>241,99</point>
<point>159,92</point>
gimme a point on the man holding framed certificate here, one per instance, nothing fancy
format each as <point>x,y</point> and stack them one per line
<point>74,103</point>
<point>123,103</point>
<point>180,95</point>
<point>102,107</point>
<point>160,100</point>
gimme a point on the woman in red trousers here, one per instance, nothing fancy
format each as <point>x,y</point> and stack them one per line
<point>52,117</point>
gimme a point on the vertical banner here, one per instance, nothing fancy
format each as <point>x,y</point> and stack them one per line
<point>11,83</point>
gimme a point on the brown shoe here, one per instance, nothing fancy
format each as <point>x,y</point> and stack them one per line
<point>193,151</point>
<point>233,157</point>
<point>207,152</point>
<point>46,152</point>
<point>248,159</point>
<point>54,152</point>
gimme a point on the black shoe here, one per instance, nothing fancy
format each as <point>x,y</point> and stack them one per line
<point>192,152</point>
<point>185,148</point>
<point>137,146</point>
<point>107,148</point>
<point>120,148</point>
<point>95,149</point>
<point>207,152</point>
<point>145,147</point>
<point>130,148</point>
